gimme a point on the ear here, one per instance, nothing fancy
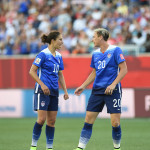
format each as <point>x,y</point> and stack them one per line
<point>100,37</point>
<point>52,41</point>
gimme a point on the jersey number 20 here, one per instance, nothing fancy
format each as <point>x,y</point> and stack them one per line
<point>101,64</point>
<point>117,102</point>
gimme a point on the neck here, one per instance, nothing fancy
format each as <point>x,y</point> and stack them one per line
<point>52,49</point>
<point>104,47</point>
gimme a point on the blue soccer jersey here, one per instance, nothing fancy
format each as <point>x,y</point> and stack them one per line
<point>49,66</point>
<point>106,66</point>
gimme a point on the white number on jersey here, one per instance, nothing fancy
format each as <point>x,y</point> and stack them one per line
<point>117,103</point>
<point>56,68</point>
<point>101,64</point>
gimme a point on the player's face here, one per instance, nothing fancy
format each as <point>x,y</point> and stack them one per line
<point>97,39</point>
<point>59,42</point>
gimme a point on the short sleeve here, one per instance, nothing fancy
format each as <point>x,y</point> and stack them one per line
<point>61,66</point>
<point>39,59</point>
<point>92,62</point>
<point>119,55</point>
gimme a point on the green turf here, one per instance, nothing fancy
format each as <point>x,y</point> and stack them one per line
<point>15,134</point>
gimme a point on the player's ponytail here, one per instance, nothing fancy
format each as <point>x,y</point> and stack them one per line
<point>44,38</point>
<point>51,36</point>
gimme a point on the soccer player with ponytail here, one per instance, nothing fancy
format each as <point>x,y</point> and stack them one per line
<point>46,70</point>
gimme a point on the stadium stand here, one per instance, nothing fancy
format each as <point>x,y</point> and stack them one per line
<point>23,21</point>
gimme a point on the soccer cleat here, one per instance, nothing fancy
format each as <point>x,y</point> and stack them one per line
<point>33,148</point>
<point>117,149</point>
<point>78,149</point>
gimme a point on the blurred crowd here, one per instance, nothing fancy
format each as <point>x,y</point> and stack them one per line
<point>22,22</point>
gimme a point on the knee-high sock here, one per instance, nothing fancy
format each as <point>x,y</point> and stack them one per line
<point>49,136</point>
<point>116,135</point>
<point>85,135</point>
<point>36,133</point>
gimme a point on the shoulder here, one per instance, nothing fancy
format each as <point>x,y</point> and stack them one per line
<point>97,51</point>
<point>45,51</point>
<point>43,54</point>
<point>114,48</point>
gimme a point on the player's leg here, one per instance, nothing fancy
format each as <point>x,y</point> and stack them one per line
<point>50,128</point>
<point>87,129</point>
<point>40,105</point>
<point>113,104</point>
<point>38,128</point>
<point>51,118</point>
<point>95,105</point>
<point>116,130</point>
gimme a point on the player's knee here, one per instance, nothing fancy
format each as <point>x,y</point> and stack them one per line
<point>51,122</point>
<point>115,123</point>
<point>89,120</point>
<point>41,120</point>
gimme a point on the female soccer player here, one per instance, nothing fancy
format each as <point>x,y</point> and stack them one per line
<point>46,70</point>
<point>109,68</point>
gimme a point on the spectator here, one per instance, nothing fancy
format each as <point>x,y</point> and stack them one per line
<point>80,23</point>
<point>144,2</point>
<point>23,7</point>
<point>83,39</point>
<point>44,26</point>
<point>30,31</point>
<point>34,46</point>
<point>66,39</point>
<point>122,8</point>
<point>147,43</point>
<point>79,49</point>
<point>63,18</point>
<point>2,49</point>
<point>72,18</point>
<point>128,38</point>
<point>64,51</point>
<point>139,40</point>
<point>9,46</point>
<point>24,47</point>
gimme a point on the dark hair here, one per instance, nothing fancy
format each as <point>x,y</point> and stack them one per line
<point>103,32</point>
<point>139,34</point>
<point>51,36</point>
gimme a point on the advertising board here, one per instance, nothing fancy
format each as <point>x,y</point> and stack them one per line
<point>11,103</point>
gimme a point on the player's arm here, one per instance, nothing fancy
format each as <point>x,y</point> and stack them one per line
<point>33,73</point>
<point>89,80</point>
<point>122,73</point>
<point>63,84</point>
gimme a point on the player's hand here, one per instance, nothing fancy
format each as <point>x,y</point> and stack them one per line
<point>79,90</point>
<point>109,90</point>
<point>66,96</point>
<point>45,89</point>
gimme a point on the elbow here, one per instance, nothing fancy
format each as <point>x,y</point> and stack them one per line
<point>30,72</point>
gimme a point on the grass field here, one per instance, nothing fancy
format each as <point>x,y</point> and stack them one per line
<point>16,134</point>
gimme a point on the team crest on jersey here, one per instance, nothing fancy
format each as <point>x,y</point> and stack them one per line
<point>42,103</point>
<point>37,61</point>
<point>121,56</point>
<point>109,55</point>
